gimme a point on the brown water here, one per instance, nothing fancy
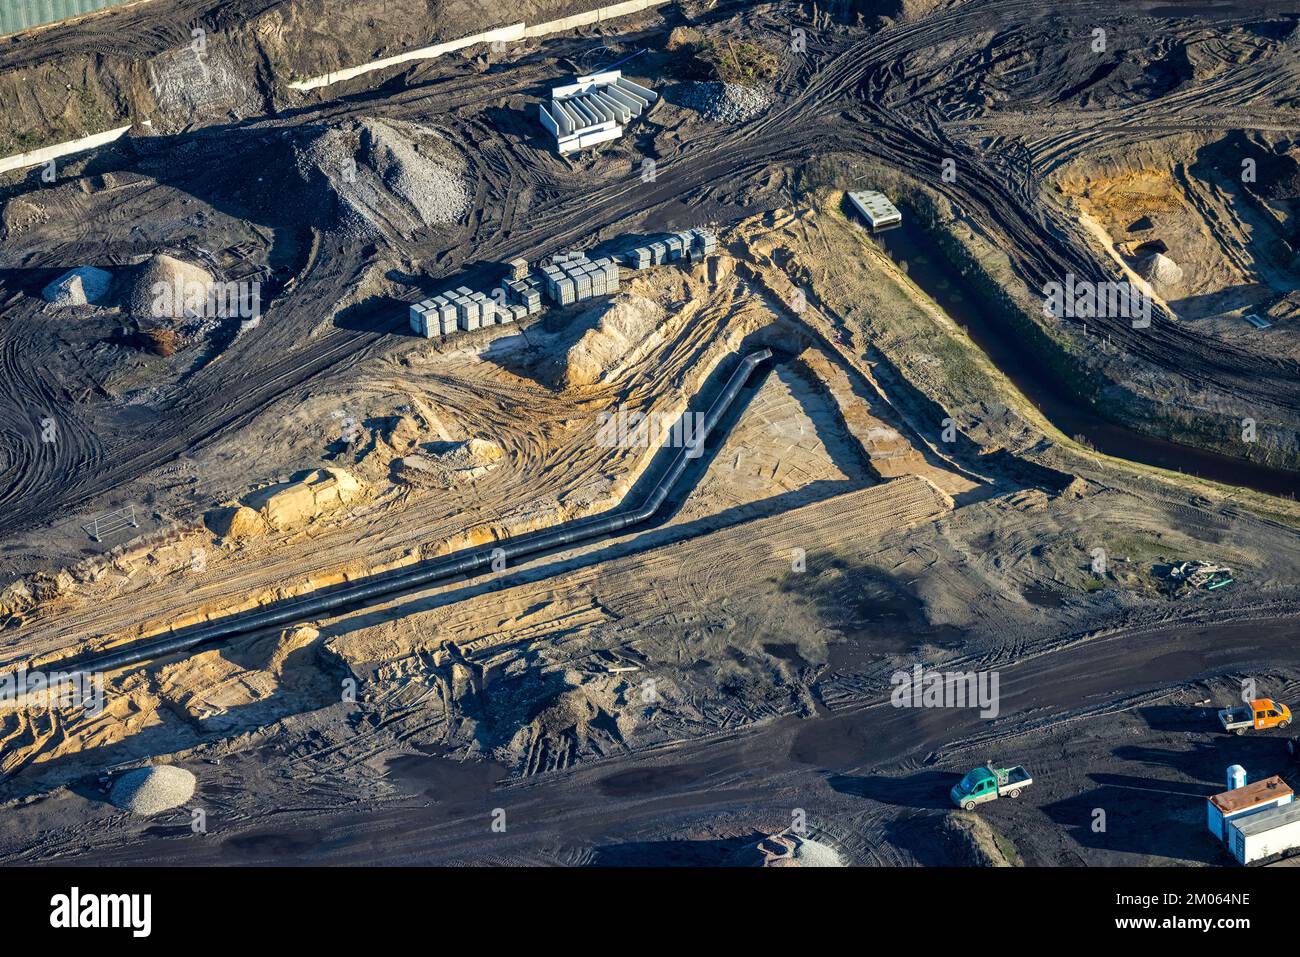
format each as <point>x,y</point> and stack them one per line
<point>930,269</point>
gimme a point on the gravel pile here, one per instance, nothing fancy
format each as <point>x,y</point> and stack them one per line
<point>817,854</point>
<point>416,174</point>
<point>167,288</point>
<point>152,790</point>
<point>85,285</point>
<point>389,176</point>
<point>726,102</point>
<point>1161,270</point>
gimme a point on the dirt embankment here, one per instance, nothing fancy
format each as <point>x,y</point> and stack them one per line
<point>180,64</point>
<point>1115,375</point>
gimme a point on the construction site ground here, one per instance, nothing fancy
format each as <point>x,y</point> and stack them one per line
<point>882,496</point>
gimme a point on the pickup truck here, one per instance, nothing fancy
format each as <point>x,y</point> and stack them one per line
<point>1259,714</point>
<point>988,784</point>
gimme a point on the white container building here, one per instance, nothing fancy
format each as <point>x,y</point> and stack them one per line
<point>875,208</point>
<point>1221,810</point>
<point>1266,834</point>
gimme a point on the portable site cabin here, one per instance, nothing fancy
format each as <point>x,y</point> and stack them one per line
<point>1221,810</point>
<point>875,208</point>
<point>1266,834</point>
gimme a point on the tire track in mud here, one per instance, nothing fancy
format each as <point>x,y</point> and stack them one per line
<point>858,76</point>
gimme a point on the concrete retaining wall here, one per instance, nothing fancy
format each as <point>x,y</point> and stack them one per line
<point>504,34</point>
<point>44,155</point>
<point>591,16</point>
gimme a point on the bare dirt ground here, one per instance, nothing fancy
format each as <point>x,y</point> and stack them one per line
<point>881,497</point>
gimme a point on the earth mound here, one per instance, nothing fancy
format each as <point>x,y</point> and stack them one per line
<point>167,288</point>
<point>626,325</point>
<point>152,790</point>
<point>388,177</point>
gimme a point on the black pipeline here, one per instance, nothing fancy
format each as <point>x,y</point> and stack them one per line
<point>464,562</point>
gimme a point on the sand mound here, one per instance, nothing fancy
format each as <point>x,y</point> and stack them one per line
<point>627,325</point>
<point>166,288</point>
<point>309,496</point>
<point>238,522</point>
<point>1160,269</point>
<point>389,177</point>
<point>228,688</point>
<point>85,285</point>
<point>152,790</point>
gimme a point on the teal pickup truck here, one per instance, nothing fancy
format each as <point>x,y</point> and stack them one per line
<point>988,784</point>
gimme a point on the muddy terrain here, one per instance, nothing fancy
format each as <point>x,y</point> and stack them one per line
<point>891,488</point>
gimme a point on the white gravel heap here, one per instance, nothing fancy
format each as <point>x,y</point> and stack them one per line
<point>152,790</point>
<point>726,102</point>
<point>817,854</point>
<point>1161,270</point>
<point>389,175</point>
<point>82,286</point>
<point>438,193</point>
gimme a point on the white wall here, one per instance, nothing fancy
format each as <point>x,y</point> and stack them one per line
<point>44,155</point>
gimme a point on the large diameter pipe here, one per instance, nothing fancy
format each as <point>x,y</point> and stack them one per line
<point>463,562</point>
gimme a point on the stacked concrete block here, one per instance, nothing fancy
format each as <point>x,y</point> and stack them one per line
<point>594,109</point>
<point>532,297</point>
<point>610,269</point>
<point>676,247</point>
<point>573,277</point>
<point>464,310</point>
<point>702,242</point>
<point>526,292</point>
<point>467,314</point>
<point>417,319</point>
<point>434,317</point>
<point>639,258</point>
<point>487,309</point>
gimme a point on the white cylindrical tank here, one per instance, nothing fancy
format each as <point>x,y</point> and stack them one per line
<point>1236,777</point>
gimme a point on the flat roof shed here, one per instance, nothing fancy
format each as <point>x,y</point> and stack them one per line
<point>875,208</point>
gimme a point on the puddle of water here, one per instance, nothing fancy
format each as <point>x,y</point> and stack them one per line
<point>930,269</point>
<point>1043,597</point>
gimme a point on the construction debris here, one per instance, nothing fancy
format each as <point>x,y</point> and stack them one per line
<point>725,102</point>
<point>1201,574</point>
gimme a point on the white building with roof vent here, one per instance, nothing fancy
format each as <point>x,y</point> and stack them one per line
<point>594,109</point>
<point>875,208</point>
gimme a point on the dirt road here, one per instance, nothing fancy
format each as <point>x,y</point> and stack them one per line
<point>858,774</point>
